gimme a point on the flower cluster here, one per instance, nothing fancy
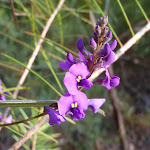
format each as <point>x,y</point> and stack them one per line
<point>3,98</point>
<point>74,102</point>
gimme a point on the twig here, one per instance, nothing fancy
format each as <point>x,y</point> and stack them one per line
<point>34,142</point>
<point>33,130</point>
<point>120,52</point>
<point>34,54</point>
<point>13,11</point>
<point>115,99</point>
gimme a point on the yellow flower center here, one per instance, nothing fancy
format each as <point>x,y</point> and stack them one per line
<point>74,105</point>
<point>79,78</point>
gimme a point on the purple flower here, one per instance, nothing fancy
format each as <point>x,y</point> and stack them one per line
<point>77,77</point>
<point>111,56</point>
<point>95,104</point>
<point>108,81</point>
<point>74,105</point>
<point>1,117</point>
<point>93,43</point>
<point>54,116</point>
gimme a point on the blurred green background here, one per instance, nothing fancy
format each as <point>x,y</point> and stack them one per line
<point>18,39</point>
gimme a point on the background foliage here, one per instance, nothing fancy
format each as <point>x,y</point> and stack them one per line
<point>18,40</point>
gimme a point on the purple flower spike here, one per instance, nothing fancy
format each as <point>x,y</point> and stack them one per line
<point>77,77</point>
<point>80,45</point>
<point>1,117</point>
<point>54,116</point>
<point>113,45</point>
<point>93,43</point>
<point>106,51</point>
<point>95,104</point>
<point>114,81</point>
<point>74,105</point>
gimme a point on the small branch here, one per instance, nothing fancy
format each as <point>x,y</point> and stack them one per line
<point>33,130</point>
<point>13,11</point>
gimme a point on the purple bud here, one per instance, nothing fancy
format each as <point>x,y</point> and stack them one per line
<point>80,45</point>
<point>106,51</point>
<point>95,37</point>
<point>113,44</point>
<point>102,21</point>
<point>71,58</point>
<point>114,81</point>
<point>93,43</point>
<point>105,31</point>
<point>98,30</point>
<point>108,37</point>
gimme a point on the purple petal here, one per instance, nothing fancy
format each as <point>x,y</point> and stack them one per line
<point>1,117</point>
<point>109,59</point>
<point>106,51</point>
<point>77,114</point>
<point>81,99</point>
<point>71,58</point>
<point>95,104</point>
<point>82,58</point>
<point>2,97</point>
<point>95,37</point>
<point>65,65</point>
<point>109,35</point>
<point>80,45</point>
<point>79,70</point>
<point>54,116</point>
<point>64,104</point>
<point>9,119</point>
<point>86,83</point>
<point>71,83</point>
<point>114,81</point>
<point>113,44</point>
<point>106,81</point>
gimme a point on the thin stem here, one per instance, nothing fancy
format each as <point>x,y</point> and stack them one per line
<point>126,18</point>
<point>22,121</point>
<point>142,10</point>
<point>26,103</point>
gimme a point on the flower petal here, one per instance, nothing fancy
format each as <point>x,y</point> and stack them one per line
<point>9,119</point>
<point>54,116</point>
<point>64,104</point>
<point>71,58</point>
<point>81,99</point>
<point>65,65</point>
<point>95,104</point>
<point>82,58</point>
<point>114,81</point>
<point>109,59</point>
<point>79,70</point>
<point>77,114</point>
<point>113,44</point>
<point>106,51</point>
<point>71,83</point>
<point>86,83</point>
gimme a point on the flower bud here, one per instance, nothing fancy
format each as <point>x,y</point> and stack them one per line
<point>105,31</point>
<point>114,81</point>
<point>71,58</point>
<point>95,37</point>
<point>93,43</point>
<point>102,22</point>
<point>108,37</point>
<point>98,30</point>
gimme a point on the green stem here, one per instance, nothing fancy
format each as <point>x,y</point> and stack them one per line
<point>126,18</point>
<point>142,10</point>
<point>26,103</point>
<point>40,77</point>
